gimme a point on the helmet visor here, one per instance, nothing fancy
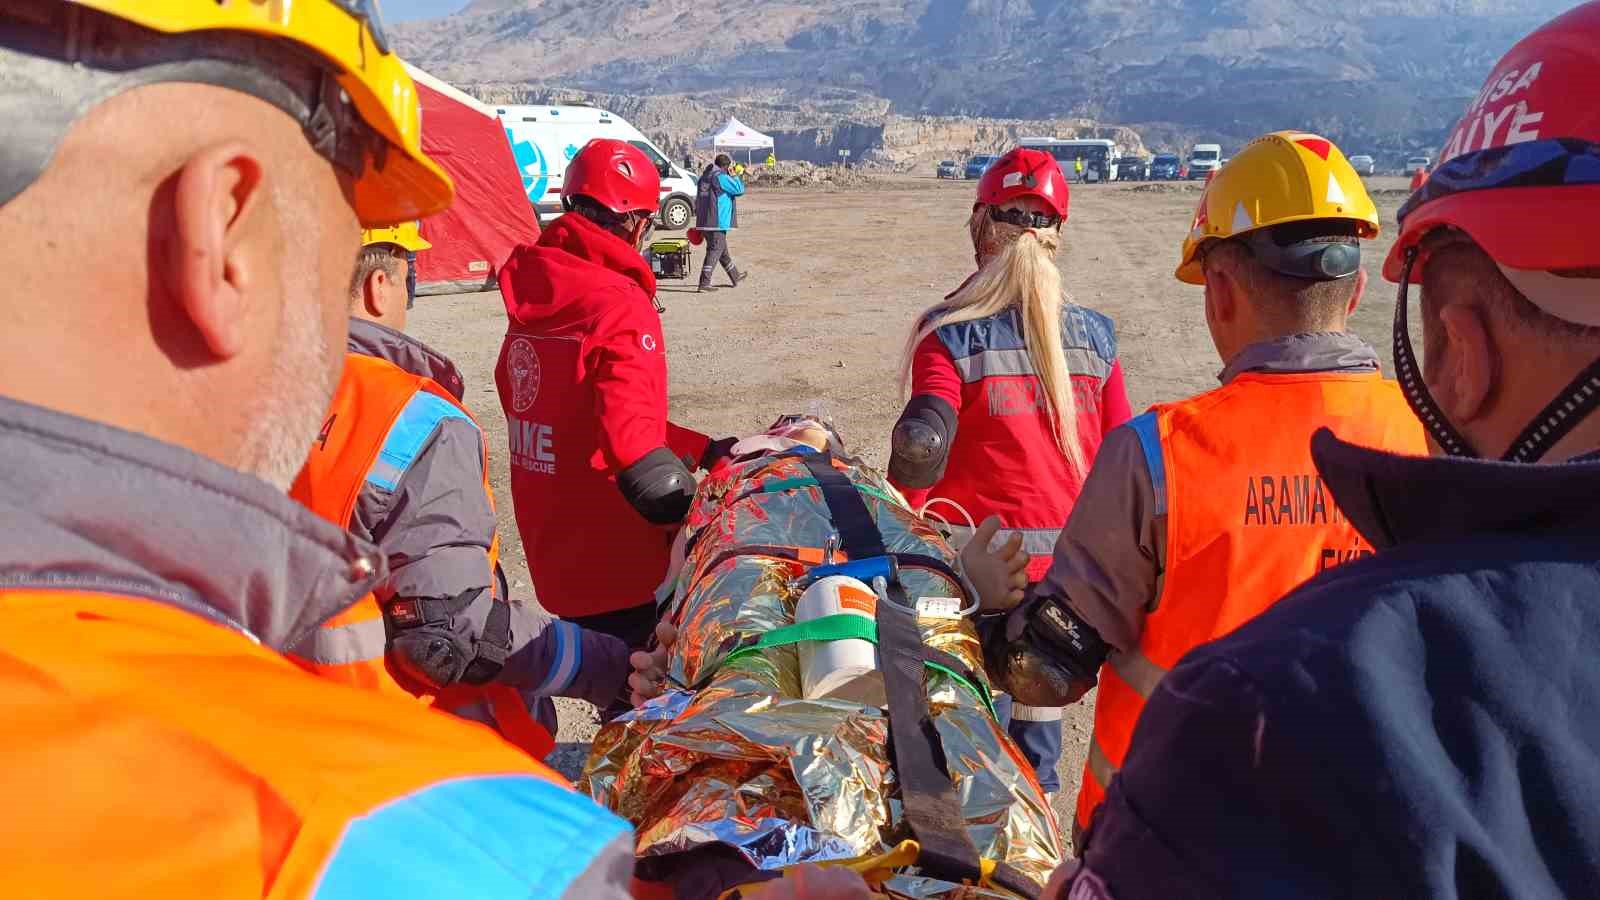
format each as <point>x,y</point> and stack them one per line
<point>1556,162</point>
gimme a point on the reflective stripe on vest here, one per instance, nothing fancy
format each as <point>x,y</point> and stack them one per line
<point>379,421</point>
<point>1248,520</point>
<point>995,346</point>
<point>996,363</point>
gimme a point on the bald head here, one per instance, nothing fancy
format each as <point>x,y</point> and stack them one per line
<point>180,269</point>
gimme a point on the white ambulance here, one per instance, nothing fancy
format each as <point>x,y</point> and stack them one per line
<point>545,138</point>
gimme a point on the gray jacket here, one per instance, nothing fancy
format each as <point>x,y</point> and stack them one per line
<point>89,507</point>
<point>436,526</point>
<point>1112,554</point>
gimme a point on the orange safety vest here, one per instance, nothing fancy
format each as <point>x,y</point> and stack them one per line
<point>148,752</point>
<point>379,418</point>
<point>1248,520</point>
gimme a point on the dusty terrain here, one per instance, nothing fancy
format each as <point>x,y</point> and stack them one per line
<point>836,280</point>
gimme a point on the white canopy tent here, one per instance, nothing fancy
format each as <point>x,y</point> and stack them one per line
<point>734,135</point>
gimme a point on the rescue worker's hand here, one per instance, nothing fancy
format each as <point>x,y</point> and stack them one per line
<point>1000,575</point>
<point>649,677</point>
<point>810,882</point>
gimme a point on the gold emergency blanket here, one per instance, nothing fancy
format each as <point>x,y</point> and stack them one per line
<point>745,760</point>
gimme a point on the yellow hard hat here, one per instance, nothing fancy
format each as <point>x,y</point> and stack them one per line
<point>1286,176</point>
<point>406,236</point>
<point>401,184</point>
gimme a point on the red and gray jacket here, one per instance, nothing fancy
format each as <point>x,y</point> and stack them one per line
<point>977,402</point>
<point>583,381</point>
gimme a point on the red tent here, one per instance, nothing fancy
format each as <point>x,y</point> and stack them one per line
<point>491,213</point>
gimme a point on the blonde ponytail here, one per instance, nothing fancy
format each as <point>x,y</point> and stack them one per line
<point>1022,273</point>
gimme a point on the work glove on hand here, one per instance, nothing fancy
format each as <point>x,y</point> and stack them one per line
<point>716,451</point>
<point>1000,575</point>
<point>649,677</point>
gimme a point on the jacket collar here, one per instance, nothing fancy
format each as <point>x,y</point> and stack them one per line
<point>85,506</point>
<point>591,243</point>
<point>1312,351</point>
<point>370,338</point>
<point>1393,499</point>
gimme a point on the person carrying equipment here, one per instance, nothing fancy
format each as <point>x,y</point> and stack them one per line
<point>716,212</point>
<point>402,463</point>
<point>1200,513</point>
<point>1012,386</point>
<point>1420,723</point>
<point>599,477</point>
<point>160,394</point>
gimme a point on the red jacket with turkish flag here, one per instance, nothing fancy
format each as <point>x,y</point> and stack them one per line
<point>583,381</point>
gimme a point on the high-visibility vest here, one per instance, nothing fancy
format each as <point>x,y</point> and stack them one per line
<point>380,417</point>
<point>150,752</point>
<point>1248,520</point>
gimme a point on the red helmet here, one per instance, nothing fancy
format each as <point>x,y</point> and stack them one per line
<point>1520,173</point>
<point>1024,172</point>
<point>614,174</point>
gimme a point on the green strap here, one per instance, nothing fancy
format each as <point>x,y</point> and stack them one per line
<point>837,627</point>
<point>844,627</point>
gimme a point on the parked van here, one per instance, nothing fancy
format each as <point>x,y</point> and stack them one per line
<point>545,138</point>
<point>1204,159</point>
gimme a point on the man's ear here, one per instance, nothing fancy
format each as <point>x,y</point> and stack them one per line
<point>1361,289</point>
<point>1222,295</point>
<point>1460,376</point>
<point>219,206</point>
<point>375,292</point>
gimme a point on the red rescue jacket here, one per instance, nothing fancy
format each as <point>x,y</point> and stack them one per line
<point>583,381</point>
<point>1005,460</point>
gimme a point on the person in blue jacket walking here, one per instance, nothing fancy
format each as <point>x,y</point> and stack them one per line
<point>716,212</point>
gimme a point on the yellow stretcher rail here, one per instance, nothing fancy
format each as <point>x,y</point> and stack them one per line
<point>874,869</point>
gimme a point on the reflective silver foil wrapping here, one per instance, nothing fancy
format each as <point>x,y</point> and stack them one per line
<point>745,760</point>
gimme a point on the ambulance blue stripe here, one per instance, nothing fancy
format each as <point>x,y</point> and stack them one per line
<point>1150,442</point>
<point>486,837</point>
<point>408,434</point>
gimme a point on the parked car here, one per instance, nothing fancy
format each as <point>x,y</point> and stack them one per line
<point>1363,164</point>
<point>1164,167</point>
<point>948,168</point>
<point>977,165</point>
<point>1133,168</point>
<point>1415,164</point>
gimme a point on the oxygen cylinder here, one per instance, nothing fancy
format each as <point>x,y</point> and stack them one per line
<point>847,669</point>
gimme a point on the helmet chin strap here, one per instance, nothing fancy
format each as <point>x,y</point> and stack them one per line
<point>1410,376</point>
<point>1574,404</point>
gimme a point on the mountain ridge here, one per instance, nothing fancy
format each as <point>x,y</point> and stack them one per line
<point>1381,76</point>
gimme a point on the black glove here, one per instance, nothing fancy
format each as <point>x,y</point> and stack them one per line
<point>435,642</point>
<point>716,451</point>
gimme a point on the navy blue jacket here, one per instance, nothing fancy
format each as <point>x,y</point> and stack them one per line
<point>1420,723</point>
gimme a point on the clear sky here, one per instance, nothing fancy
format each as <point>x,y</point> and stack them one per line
<point>401,10</point>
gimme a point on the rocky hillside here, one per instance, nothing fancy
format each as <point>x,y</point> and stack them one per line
<point>1382,76</point>
<point>817,131</point>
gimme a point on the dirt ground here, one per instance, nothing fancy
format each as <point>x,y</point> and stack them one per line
<point>836,280</point>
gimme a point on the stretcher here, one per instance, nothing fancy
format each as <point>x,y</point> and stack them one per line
<point>736,773</point>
